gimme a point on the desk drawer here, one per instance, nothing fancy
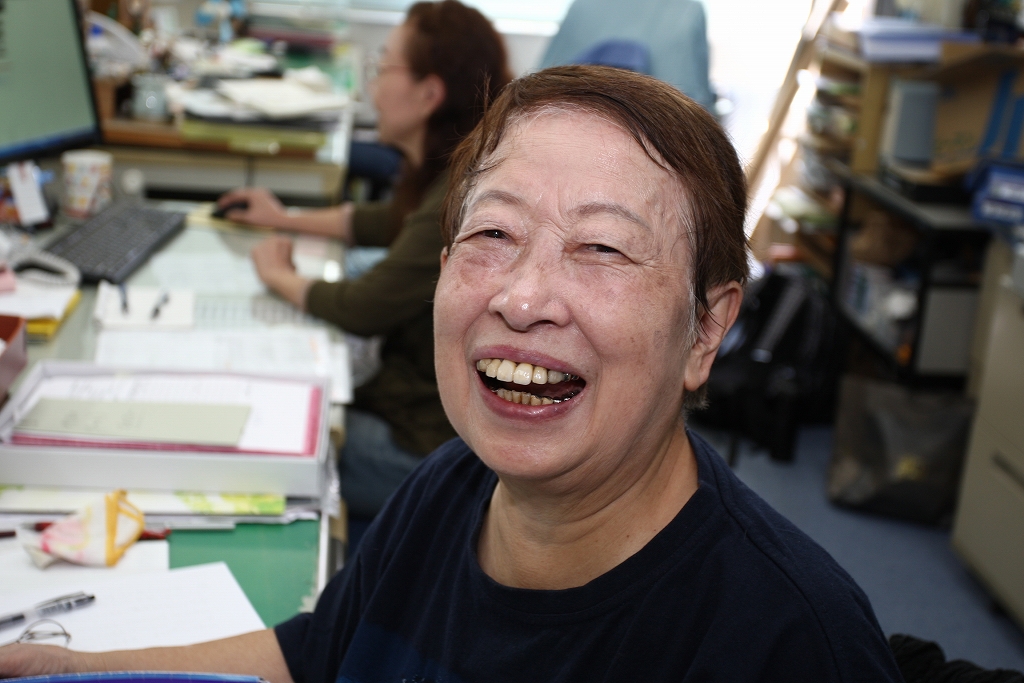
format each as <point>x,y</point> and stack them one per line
<point>989,528</point>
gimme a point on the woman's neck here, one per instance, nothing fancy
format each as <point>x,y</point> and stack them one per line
<point>414,148</point>
<point>530,540</point>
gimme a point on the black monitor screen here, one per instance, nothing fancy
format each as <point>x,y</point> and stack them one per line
<point>46,100</point>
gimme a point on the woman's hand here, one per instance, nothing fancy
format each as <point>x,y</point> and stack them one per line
<point>273,256</point>
<point>273,260</point>
<point>23,659</point>
<point>264,208</point>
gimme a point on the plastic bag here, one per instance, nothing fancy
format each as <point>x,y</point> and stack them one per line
<point>898,451</point>
<point>97,535</point>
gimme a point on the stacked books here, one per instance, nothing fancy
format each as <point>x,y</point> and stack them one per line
<point>893,39</point>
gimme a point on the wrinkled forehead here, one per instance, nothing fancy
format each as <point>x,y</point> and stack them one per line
<point>594,152</point>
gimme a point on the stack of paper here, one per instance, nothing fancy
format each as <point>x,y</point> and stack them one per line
<point>280,99</point>
<point>22,499</point>
<point>895,39</point>
<point>81,425</point>
<point>44,306</point>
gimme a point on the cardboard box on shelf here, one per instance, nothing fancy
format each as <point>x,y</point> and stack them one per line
<point>980,113</point>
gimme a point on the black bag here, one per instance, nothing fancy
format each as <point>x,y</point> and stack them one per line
<point>778,365</point>
<point>898,451</point>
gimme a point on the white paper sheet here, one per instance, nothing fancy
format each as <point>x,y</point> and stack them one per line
<point>219,311</point>
<point>18,573</point>
<point>177,310</point>
<point>217,273</point>
<point>285,351</point>
<point>35,300</point>
<point>154,609</point>
<point>278,421</point>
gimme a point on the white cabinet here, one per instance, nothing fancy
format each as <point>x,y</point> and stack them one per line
<point>989,528</point>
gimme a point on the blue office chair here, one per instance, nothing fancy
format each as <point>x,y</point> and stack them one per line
<point>674,32</point>
<point>622,54</point>
<point>375,163</point>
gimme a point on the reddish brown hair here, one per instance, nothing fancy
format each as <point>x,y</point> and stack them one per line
<point>677,134</point>
<point>458,44</point>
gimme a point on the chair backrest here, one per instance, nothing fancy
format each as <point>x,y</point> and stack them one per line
<point>673,31</point>
<point>624,54</point>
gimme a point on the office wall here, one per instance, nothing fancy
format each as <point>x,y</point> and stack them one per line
<point>525,41</point>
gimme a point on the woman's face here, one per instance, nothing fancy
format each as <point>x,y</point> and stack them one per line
<point>572,258</point>
<point>402,102</point>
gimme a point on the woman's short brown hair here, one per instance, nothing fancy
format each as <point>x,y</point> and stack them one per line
<point>676,132</point>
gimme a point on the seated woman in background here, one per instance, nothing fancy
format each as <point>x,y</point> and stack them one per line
<point>577,531</point>
<point>436,72</point>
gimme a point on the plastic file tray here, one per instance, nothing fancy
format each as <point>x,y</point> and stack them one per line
<point>172,469</point>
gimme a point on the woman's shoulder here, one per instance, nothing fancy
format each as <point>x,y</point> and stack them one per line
<point>774,568</point>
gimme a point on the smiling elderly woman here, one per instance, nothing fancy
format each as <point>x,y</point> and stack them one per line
<point>576,531</point>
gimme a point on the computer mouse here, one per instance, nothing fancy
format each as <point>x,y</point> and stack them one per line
<point>222,211</point>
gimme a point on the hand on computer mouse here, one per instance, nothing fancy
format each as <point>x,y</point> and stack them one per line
<point>252,205</point>
<point>222,211</point>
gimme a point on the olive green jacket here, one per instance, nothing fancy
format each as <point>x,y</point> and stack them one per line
<point>396,299</point>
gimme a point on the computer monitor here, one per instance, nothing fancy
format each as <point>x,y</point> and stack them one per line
<point>46,99</point>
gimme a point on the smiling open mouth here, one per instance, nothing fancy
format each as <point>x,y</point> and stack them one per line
<point>528,384</point>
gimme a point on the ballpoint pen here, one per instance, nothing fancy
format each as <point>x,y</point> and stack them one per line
<point>64,603</point>
<point>164,298</point>
<point>124,298</point>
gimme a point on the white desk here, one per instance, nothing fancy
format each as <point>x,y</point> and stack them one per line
<point>76,338</point>
<point>281,550</point>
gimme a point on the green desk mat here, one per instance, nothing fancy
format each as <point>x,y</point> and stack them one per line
<point>274,564</point>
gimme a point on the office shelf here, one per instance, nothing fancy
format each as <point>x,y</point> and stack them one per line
<point>930,340</point>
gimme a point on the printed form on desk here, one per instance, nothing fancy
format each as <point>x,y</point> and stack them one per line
<point>152,609</point>
<point>285,351</point>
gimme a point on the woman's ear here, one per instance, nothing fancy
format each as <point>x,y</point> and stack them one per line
<point>712,324</point>
<point>444,257</point>
<point>433,93</point>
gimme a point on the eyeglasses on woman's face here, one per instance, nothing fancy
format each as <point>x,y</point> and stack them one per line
<point>379,64</point>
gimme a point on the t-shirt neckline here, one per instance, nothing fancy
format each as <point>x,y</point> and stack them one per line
<point>609,590</point>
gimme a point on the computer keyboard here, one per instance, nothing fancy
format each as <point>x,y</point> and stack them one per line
<point>115,243</point>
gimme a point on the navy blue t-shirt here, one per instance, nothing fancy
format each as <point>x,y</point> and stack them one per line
<point>728,591</point>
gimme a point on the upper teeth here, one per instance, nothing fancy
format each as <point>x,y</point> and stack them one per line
<point>519,373</point>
